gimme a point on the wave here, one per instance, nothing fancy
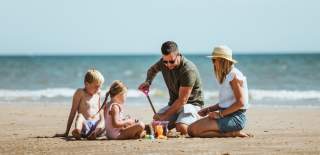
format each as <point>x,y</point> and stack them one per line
<point>254,94</point>
<point>285,94</point>
<point>258,94</point>
<point>49,93</point>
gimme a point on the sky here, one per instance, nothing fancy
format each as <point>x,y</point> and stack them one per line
<point>31,27</point>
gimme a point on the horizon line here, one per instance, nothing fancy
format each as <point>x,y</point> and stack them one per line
<point>74,53</point>
<point>148,54</point>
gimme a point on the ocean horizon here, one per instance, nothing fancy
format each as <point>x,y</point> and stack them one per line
<point>273,79</point>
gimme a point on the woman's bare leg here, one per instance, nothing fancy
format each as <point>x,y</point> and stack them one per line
<point>211,134</point>
<point>204,127</point>
<point>208,128</point>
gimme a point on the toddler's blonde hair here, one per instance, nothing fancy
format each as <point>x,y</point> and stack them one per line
<point>93,75</point>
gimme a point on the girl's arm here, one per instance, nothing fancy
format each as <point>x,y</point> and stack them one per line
<point>116,121</point>
<point>236,86</point>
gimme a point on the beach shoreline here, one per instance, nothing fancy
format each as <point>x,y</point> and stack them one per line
<point>278,130</point>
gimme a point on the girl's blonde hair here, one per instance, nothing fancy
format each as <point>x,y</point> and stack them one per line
<point>225,67</point>
<point>117,87</point>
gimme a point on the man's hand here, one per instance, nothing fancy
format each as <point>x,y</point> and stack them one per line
<point>144,87</point>
<point>158,117</point>
<point>214,115</point>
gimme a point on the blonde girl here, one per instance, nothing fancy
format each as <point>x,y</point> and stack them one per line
<point>117,126</point>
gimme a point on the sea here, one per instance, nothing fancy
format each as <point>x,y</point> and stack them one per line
<point>273,79</point>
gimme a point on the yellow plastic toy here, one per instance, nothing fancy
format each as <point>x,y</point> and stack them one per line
<point>159,132</point>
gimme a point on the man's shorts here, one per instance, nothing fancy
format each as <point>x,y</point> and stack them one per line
<point>186,114</point>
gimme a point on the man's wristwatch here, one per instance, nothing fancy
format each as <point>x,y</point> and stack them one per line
<point>148,82</point>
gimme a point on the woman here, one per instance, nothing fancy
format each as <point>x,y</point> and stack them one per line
<point>226,118</point>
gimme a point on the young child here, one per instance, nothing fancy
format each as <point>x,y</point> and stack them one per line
<point>86,102</point>
<point>117,126</point>
<point>226,118</point>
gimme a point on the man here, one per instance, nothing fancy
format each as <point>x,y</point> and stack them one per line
<point>183,82</point>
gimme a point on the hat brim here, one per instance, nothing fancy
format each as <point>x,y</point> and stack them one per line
<point>213,57</point>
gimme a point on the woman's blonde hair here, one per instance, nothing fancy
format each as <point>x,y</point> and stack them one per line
<point>225,67</point>
<point>93,75</point>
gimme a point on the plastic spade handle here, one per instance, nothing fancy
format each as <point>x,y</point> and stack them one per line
<point>146,92</point>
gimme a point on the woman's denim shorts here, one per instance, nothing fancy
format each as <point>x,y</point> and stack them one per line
<point>233,122</point>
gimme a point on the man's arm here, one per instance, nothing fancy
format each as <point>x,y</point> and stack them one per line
<point>188,80</point>
<point>184,94</point>
<point>75,106</point>
<point>152,72</point>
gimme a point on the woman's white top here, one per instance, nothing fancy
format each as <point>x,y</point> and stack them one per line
<point>226,96</point>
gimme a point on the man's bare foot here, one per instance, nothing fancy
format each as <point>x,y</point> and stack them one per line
<point>76,134</point>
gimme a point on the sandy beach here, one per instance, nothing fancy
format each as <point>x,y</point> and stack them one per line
<point>26,128</point>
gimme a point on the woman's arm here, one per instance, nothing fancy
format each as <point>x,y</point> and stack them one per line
<point>237,88</point>
<point>204,112</point>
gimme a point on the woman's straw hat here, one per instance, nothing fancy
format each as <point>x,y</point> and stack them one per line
<point>222,51</point>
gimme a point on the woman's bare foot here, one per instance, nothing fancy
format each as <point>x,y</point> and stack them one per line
<point>76,134</point>
<point>249,135</point>
<point>238,134</point>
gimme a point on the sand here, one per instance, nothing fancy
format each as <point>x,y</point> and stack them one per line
<point>27,128</point>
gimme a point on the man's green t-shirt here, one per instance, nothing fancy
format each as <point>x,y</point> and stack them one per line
<point>185,75</point>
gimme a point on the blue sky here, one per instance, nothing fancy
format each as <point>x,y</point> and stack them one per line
<point>140,26</point>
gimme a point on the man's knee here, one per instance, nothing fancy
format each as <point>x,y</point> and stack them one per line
<point>182,128</point>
